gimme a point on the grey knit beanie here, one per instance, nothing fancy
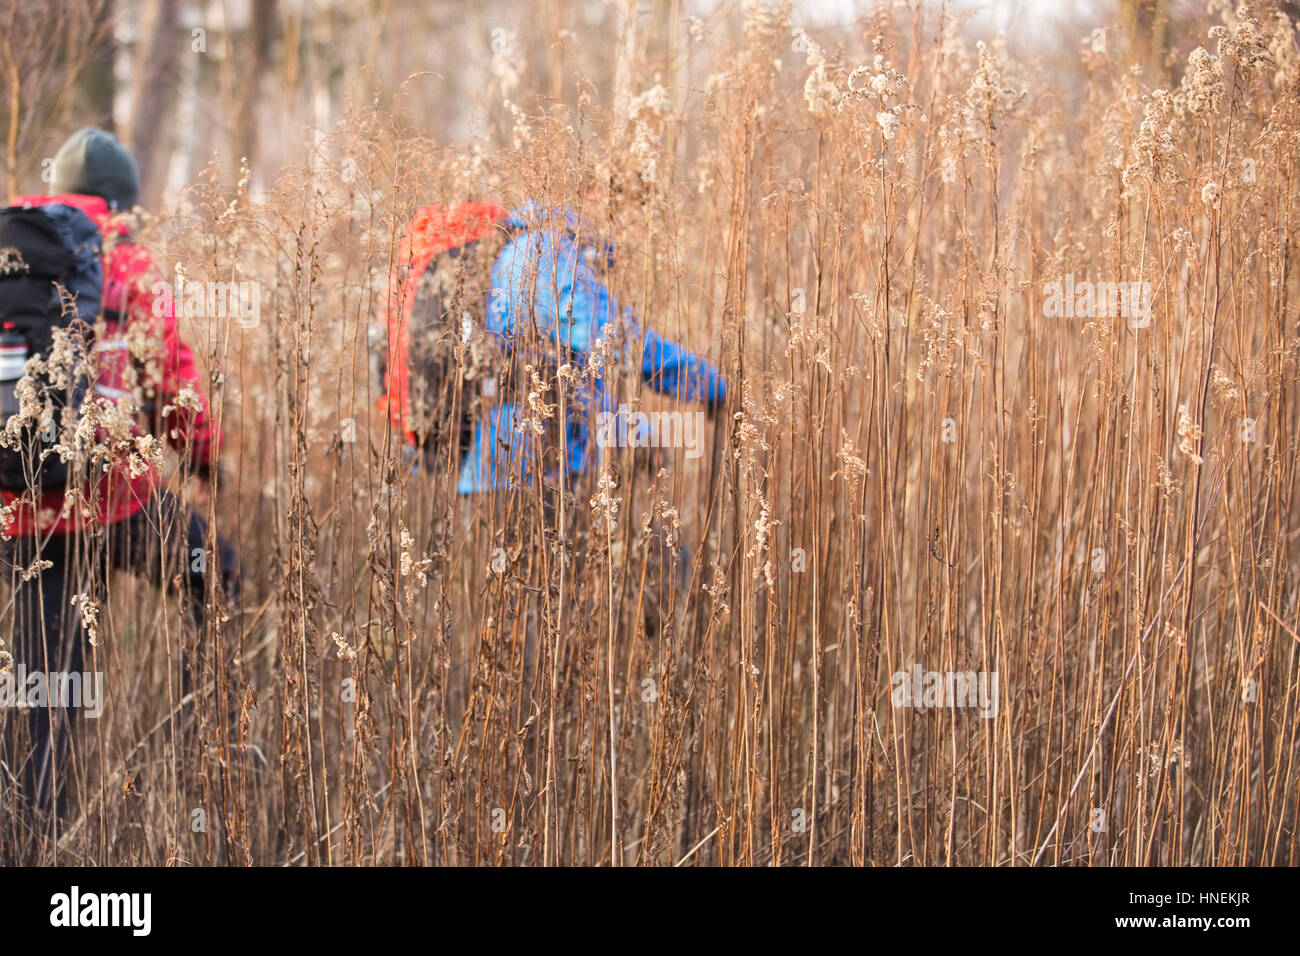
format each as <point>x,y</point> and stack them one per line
<point>93,163</point>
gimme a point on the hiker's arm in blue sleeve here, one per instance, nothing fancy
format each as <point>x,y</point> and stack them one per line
<point>665,366</point>
<point>669,368</point>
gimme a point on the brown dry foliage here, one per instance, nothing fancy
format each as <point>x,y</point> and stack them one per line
<point>861,241</point>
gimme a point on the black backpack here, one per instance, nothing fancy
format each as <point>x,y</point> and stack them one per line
<point>453,287</point>
<point>51,277</point>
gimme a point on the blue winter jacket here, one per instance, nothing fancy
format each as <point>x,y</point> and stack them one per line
<point>546,275</point>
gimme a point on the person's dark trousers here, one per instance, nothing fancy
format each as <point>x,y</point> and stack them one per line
<point>165,543</point>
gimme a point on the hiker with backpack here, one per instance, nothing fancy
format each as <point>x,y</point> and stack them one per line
<point>538,268</point>
<point>75,288</point>
<point>483,295</point>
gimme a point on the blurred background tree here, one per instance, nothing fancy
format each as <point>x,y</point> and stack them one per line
<point>186,82</point>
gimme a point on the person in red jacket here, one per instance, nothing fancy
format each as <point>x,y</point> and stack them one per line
<point>124,520</point>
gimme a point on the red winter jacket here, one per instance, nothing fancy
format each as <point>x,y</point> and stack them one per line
<point>162,373</point>
<point>433,230</point>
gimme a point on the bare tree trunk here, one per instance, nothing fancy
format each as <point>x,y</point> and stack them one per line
<point>262,31</point>
<point>626,58</point>
<point>1128,21</point>
<point>155,74</point>
<point>96,83</point>
<point>1159,31</point>
<point>183,144</point>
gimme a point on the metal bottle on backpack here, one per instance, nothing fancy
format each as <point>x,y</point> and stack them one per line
<point>13,358</point>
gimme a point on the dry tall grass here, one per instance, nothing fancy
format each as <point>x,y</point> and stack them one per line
<point>917,466</point>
